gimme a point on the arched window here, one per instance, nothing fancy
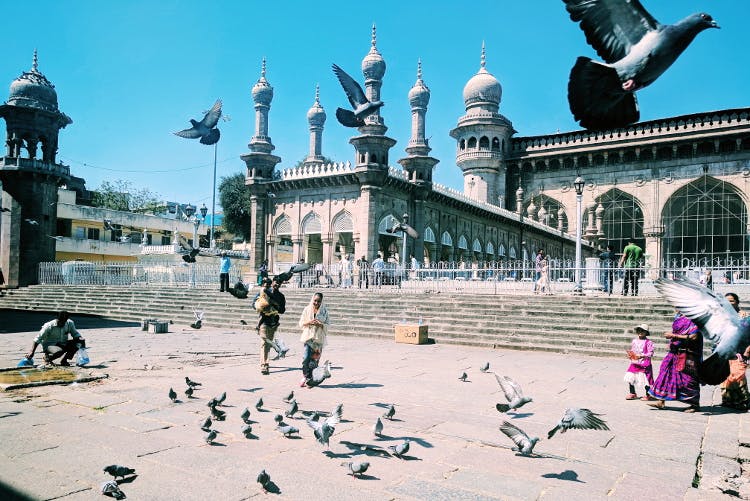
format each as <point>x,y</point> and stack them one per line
<point>623,219</point>
<point>283,226</point>
<point>495,144</point>
<point>373,158</point>
<point>484,143</point>
<point>386,224</point>
<point>446,239</point>
<point>646,155</point>
<point>429,235</point>
<point>706,148</point>
<point>462,144</point>
<point>501,250</point>
<point>343,223</point>
<point>462,243</point>
<point>629,156</point>
<point>311,224</point>
<point>472,142</point>
<point>685,151</point>
<point>664,153</point>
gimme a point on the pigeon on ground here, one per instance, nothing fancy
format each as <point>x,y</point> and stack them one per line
<point>356,468</point>
<point>287,275</point>
<point>717,320</point>
<point>259,404</point>
<point>362,106</point>
<point>206,426</point>
<point>323,429</point>
<point>582,419</point>
<point>278,418</point>
<point>289,397</point>
<point>378,428</point>
<point>205,129</point>
<point>400,449</point>
<point>636,49</point>
<point>189,391</point>
<point>119,471</point>
<point>172,395</point>
<point>211,436</point>
<point>243,322</point>
<point>463,377</point>
<point>198,319</point>
<point>524,444</point>
<point>390,412</point>
<point>245,416</point>
<point>338,411</point>
<point>218,414</point>
<point>375,449</point>
<point>247,430</point>
<point>287,430</point>
<point>192,384</point>
<point>513,393</point>
<point>220,399</point>
<point>319,374</point>
<point>485,367</point>
<point>264,479</point>
<point>112,490</point>
<point>293,408</point>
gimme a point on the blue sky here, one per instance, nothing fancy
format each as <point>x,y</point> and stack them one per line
<point>130,73</point>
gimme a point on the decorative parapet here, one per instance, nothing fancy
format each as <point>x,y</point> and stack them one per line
<point>398,173</point>
<point>204,251</point>
<point>684,126</point>
<point>313,171</point>
<point>33,165</point>
<point>160,249</point>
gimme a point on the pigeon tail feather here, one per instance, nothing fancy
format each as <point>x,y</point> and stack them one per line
<point>552,432</point>
<point>596,97</point>
<point>713,370</point>
<point>211,137</point>
<point>502,407</point>
<point>348,118</point>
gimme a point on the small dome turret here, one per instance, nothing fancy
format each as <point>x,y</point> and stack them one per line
<point>373,65</point>
<point>483,89</point>
<point>316,115</point>
<point>33,90</point>
<point>262,90</point>
<point>419,95</point>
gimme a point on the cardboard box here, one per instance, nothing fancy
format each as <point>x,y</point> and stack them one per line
<point>411,334</point>
<point>158,327</point>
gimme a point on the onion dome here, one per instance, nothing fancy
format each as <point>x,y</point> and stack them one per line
<point>262,90</point>
<point>373,65</point>
<point>419,95</point>
<point>483,89</point>
<point>33,90</point>
<point>316,115</point>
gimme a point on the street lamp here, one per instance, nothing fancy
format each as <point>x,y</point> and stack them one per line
<point>405,221</point>
<point>578,184</point>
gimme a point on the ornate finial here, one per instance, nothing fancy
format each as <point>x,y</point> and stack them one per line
<point>374,35</point>
<point>419,69</point>
<point>317,94</point>
<point>483,59</point>
<point>35,63</point>
<point>263,68</point>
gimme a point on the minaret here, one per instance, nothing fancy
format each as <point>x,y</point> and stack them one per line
<point>373,68</point>
<point>30,178</point>
<point>316,117</point>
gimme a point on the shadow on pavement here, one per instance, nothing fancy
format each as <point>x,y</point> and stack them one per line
<point>31,321</point>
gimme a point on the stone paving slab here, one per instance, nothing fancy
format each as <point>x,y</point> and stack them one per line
<point>56,440</point>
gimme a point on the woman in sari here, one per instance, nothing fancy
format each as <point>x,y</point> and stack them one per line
<point>314,323</point>
<point>734,392</point>
<point>678,379</point>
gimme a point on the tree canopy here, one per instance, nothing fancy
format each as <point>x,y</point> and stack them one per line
<point>122,195</point>
<point>235,200</point>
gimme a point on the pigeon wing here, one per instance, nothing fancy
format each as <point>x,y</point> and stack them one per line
<point>612,27</point>
<point>410,231</point>
<point>351,87</point>
<point>212,116</point>
<point>184,243</point>
<point>348,118</point>
<point>510,388</point>
<point>582,419</point>
<point>711,312</point>
<point>211,137</point>
<point>514,433</point>
<point>191,133</point>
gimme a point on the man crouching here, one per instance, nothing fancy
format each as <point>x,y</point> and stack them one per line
<point>54,340</point>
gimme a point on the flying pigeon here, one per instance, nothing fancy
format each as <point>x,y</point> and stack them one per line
<point>323,429</point>
<point>524,444</point>
<point>211,437</point>
<point>206,426</point>
<point>636,49</point>
<point>582,419</point>
<point>356,468</point>
<point>198,319</point>
<point>289,397</point>
<point>378,428</point>
<point>189,392</point>
<point>245,416</point>
<point>512,392</point>
<point>212,403</point>
<point>400,450</point>
<point>362,106</point>
<point>172,395</point>
<point>112,490</point>
<point>287,275</point>
<point>338,411</point>
<point>220,399</point>
<point>32,222</point>
<point>287,430</point>
<point>281,348</point>
<point>717,320</point>
<point>192,384</point>
<point>247,430</point>
<point>119,471</point>
<point>319,374</point>
<point>108,225</point>
<point>205,129</point>
<point>293,408</point>
<point>259,404</point>
<point>485,367</point>
<point>463,377</point>
<point>390,412</point>
<point>405,228</point>
<point>264,479</point>
<point>189,256</point>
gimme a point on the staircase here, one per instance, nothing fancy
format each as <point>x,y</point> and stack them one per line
<point>599,326</point>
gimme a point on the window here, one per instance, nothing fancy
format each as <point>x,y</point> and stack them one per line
<point>165,240</point>
<point>92,233</point>
<point>80,233</point>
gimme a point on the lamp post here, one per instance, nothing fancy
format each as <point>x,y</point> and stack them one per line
<point>404,220</point>
<point>191,216</point>
<point>578,185</point>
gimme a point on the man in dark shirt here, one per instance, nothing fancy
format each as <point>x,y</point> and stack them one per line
<point>269,319</point>
<point>607,259</point>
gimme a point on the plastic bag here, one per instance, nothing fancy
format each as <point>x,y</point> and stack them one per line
<point>82,357</point>
<point>26,362</point>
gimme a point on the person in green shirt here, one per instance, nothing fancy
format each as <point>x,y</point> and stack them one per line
<point>631,262</point>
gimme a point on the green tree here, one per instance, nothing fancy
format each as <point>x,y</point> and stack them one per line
<point>235,200</point>
<point>122,195</point>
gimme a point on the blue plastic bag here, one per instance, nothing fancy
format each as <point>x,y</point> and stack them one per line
<point>82,357</point>
<point>26,362</point>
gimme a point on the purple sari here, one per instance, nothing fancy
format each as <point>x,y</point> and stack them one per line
<point>672,384</point>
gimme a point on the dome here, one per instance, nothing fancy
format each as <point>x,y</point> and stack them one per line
<point>316,115</point>
<point>33,90</point>
<point>482,88</point>
<point>419,95</point>
<point>373,65</point>
<point>262,90</point>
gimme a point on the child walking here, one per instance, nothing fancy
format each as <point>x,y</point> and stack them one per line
<point>640,373</point>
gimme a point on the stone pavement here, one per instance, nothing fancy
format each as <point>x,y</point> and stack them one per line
<point>57,439</point>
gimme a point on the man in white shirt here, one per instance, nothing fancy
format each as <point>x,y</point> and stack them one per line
<point>53,337</point>
<point>378,266</point>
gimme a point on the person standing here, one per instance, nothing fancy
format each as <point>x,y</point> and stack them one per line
<point>631,261</point>
<point>607,259</point>
<point>538,268</point>
<point>678,378</point>
<point>543,284</point>
<point>314,323</point>
<point>53,337</point>
<point>378,266</point>
<point>363,272</point>
<point>224,266</point>
<point>346,271</point>
<point>640,373</point>
<point>708,280</point>
<point>263,271</point>
<point>269,320</point>
<point>734,391</point>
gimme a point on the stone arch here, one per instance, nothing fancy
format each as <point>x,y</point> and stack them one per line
<point>495,144</point>
<point>311,223</point>
<point>282,226</point>
<point>446,247</point>
<point>484,143</point>
<point>623,219</point>
<point>462,144</point>
<point>471,143</point>
<point>342,227</point>
<point>552,207</point>
<point>489,249</point>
